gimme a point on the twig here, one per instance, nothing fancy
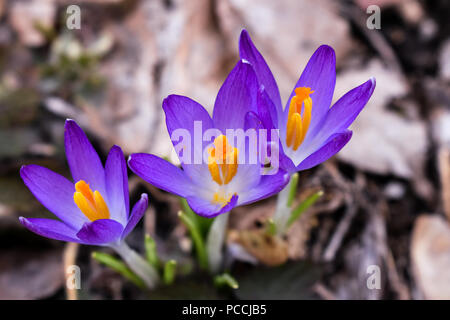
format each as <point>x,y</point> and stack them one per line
<point>380,44</point>
<point>395,280</point>
<point>324,292</point>
<point>69,259</point>
<point>444,171</point>
<point>341,231</point>
<point>351,191</point>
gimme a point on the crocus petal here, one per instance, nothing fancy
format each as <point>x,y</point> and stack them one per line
<point>268,186</point>
<point>207,209</point>
<point>248,51</point>
<point>286,163</point>
<point>160,173</point>
<point>253,121</point>
<point>84,162</point>
<point>346,109</point>
<point>187,119</point>
<point>329,149</point>
<point>182,113</point>
<point>49,228</point>
<point>265,119</point>
<point>320,76</point>
<point>267,110</point>
<point>100,232</point>
<point>117,185</point>
<point>55,192</point>
<point>236,97</point>
<point>136,214</point>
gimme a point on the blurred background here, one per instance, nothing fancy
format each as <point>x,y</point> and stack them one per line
<point>387,193</point>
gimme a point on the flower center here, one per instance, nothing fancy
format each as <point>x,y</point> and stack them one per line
<point>222,160</point>
<point>220,198</point>
<point>297,125</point>
<point>90,203</point>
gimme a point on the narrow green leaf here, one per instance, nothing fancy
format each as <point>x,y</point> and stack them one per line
<point>292,189</point>
<point>225,279</point>
<point>169,271</point>
<point>197,238</point>
<point>308,202</point>
<point>271,228</point>
<point>203,224</point>
<point>185,207</point>
<point>118,266</point>
<point>150,252</point>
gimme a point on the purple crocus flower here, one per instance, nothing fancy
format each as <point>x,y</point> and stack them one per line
<point>94,209</point>
<point>310,131</point>
<point>215,186</point>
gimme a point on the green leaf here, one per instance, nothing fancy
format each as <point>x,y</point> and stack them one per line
<point>118,266</point>
<point>203,224</point>
<point>188,211</point>
<point>292,189</point>
<point>225,280</point>
<point>150,252</point>
<point>197,238</point>
<point>271,228</point>
<point>302,207</point>
<point>169,271</point>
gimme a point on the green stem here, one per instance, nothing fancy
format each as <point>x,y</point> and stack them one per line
<point>297,212</point>
<point>201,223</point>
<point>226,280</point>
<point>271,228</point>
<point>215,241</point>
<point>118,266</point>
<point>150,252</point>
<point>197,238</point>
<point>136,263</point>
<point>169,272</point>
<point>293,183</point>
<point>283,211</point>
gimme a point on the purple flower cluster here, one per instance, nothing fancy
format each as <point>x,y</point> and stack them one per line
<point>94,207</point>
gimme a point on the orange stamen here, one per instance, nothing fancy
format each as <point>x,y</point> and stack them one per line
<point>90,203</point>
<point>297,124</point>
<point>222,161</point>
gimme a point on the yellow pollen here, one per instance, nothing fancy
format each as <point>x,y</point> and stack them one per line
<point>90,203</point>
<point>222,161</point>
<point>220,199</point>
<point>298,123</point>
